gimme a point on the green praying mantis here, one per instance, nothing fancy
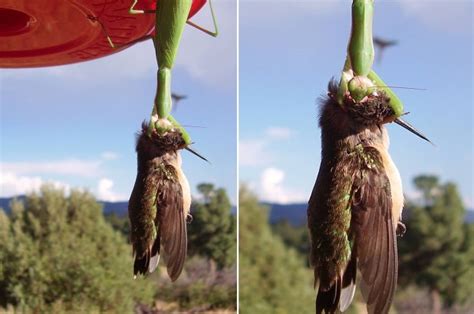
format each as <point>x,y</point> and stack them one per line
<point>171,17</point>
<point>358,79</point>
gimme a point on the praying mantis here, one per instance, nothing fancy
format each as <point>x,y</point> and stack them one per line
<point>171,16</point>
<point>358,79</point>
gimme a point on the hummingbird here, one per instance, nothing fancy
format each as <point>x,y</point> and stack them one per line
<point>382,44</point>
<point>160,203</point>
<point>354,211</point>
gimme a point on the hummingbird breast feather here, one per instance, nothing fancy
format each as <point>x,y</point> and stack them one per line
<point>395,186</point>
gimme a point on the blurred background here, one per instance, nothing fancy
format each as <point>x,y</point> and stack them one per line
<point>67,153</point>
<point>289,50</point>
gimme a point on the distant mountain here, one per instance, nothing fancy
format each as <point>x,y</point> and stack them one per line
<point>469,216</point>
<point>295,214</point>
<point>119,208</point>
<point>5,202</point>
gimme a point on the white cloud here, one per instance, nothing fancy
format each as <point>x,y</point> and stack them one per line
<point>469,203</point>
<point>105,193</point>
<point>109,155</point>
<point>75,167</point>
<point>442,15</point>
<point>253,152</point>
<point>24,177</point>
<point>279,133</point>
<point>13,185</point>
<point>273,190</point>
<point>270,182</point>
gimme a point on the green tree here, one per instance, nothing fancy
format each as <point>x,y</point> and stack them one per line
<point>206,190</point>
<point>437,251</point>
<point>427,185</point>
<point>212,232</point>
<point>119,223</point>
<point>273,278</point>
<point>292,236</point>
<point>58,255</point>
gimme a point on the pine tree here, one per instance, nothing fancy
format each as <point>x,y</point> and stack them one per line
<point>293,236</point>
<point>57,254</point>
<point>437,251</point>
<point>273,278</point>
<point>212,232</point>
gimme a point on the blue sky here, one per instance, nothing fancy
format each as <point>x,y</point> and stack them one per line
<point>290,49</point>
<point>75,125</point>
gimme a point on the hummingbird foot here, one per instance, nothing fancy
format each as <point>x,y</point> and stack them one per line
<point>401,229</point>
<point>189,219</point>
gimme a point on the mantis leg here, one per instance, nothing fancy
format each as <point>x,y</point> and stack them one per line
<point>360,53</point>
<point>214,21</point>
<point>395,102</point>
<point>132,9</point>
<point>346,76</point>
<point>214,33</point>
<point>184,133</point>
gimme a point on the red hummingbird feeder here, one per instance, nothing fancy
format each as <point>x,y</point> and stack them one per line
<point>55,32</point>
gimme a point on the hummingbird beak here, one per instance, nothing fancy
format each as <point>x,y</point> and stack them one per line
<point>410,128</point>
<point>195,153</point>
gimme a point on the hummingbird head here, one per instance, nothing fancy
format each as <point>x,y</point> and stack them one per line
<point>153,144</point>
<point>374,110</point>
<point>355,116</point>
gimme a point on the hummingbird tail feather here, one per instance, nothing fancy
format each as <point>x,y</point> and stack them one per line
<point>348,284</point>
<point>140,264</point>
<point>328,300</point>
<point>155,255</point>
<point>341,293</point>
<point>148,261</point>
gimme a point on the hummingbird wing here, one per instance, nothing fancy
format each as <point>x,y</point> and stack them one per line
<point>375,243</point>
<point>172,221</point>
<point>142,213</point>
<point>329,219</point>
